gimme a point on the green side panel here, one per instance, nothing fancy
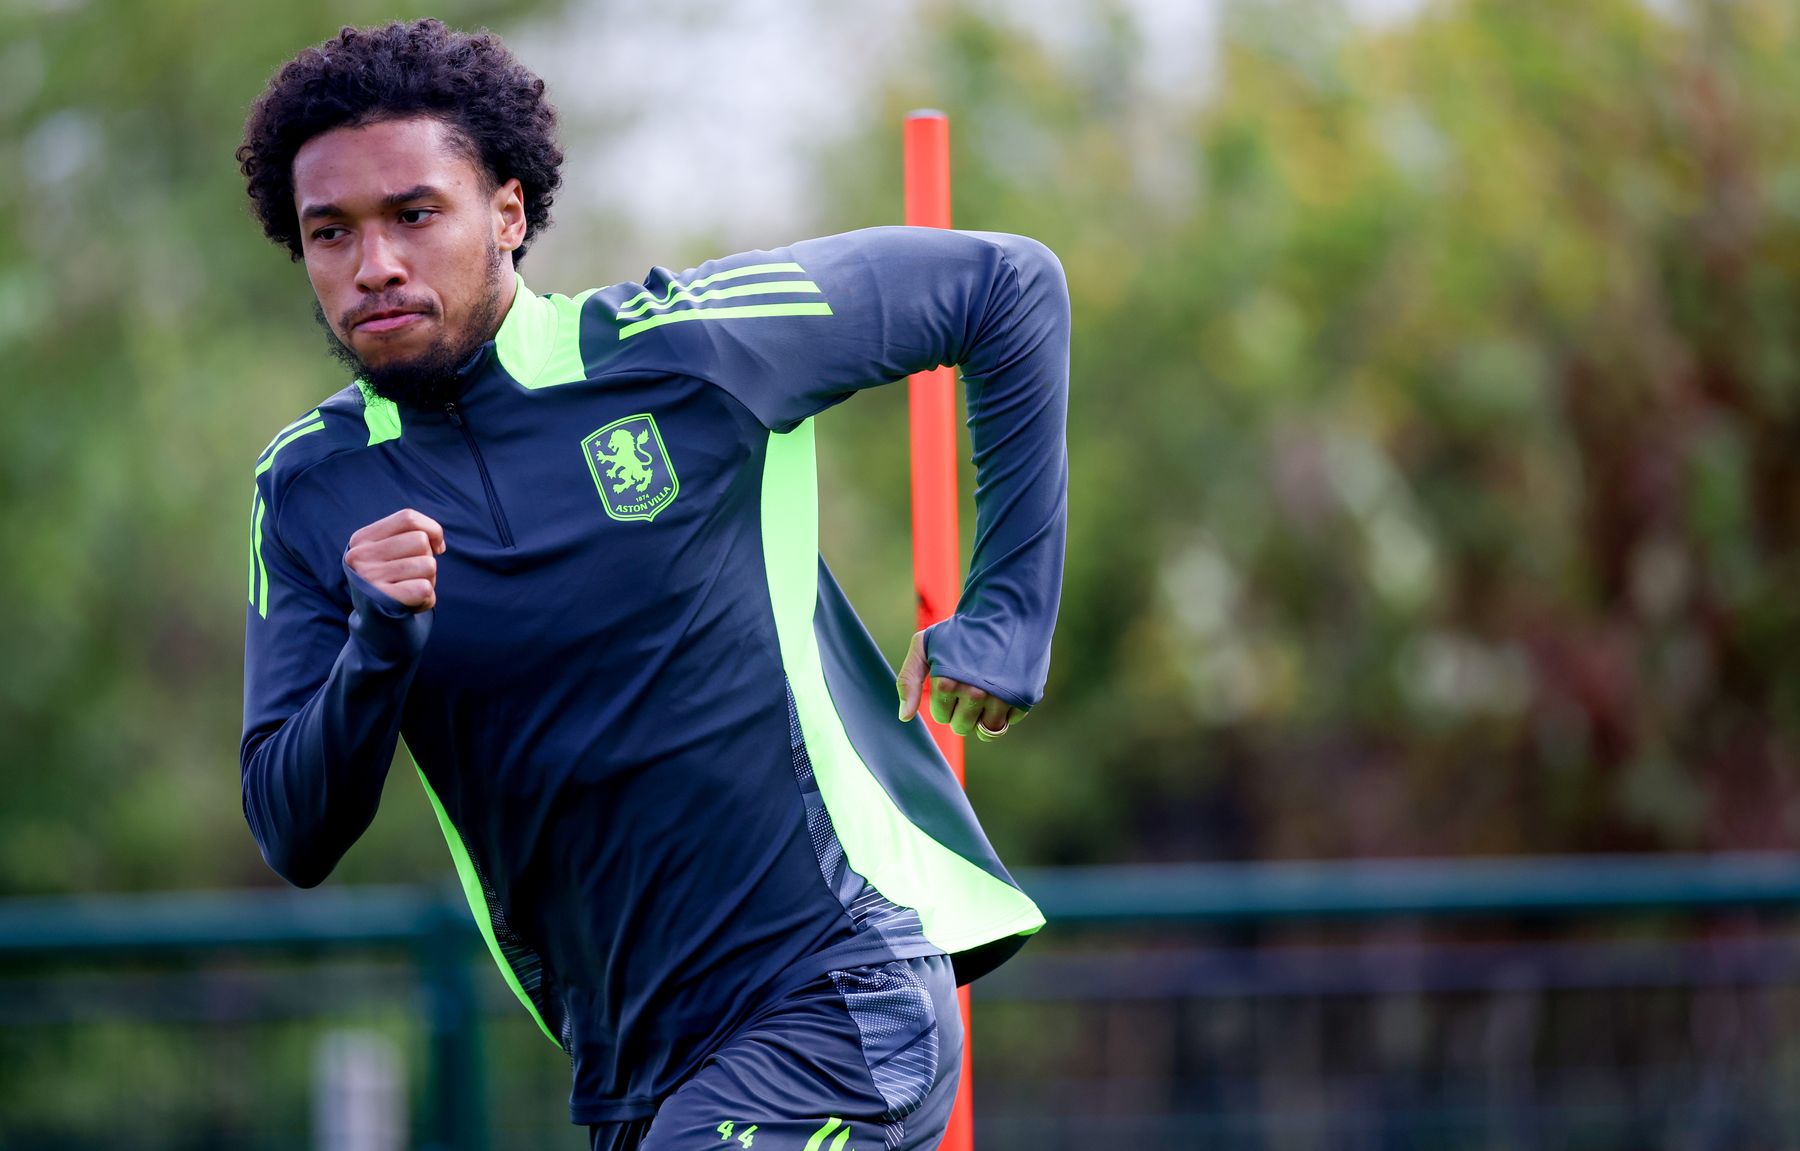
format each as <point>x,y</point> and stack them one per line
<point>471,885</point>
<point>262,593</point>
<point>381,414</point>
<point>739,312</point>
<point>539,345</point>
<point>960,905</point>
<point>643,301</point>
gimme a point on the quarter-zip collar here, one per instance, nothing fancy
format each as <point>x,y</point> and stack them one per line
<point>532,337</point>
<point>529,335</point>
<point>513,346</point>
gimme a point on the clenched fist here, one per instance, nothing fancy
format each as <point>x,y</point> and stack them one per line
<point>398,554</point>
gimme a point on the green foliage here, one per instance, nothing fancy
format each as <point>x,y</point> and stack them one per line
<point>144,373</point>
<point>1436,398</point>
<point>1432,428</point>
<point>1433,422</point>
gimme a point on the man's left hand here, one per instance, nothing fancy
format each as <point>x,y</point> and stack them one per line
<point>963,708</point>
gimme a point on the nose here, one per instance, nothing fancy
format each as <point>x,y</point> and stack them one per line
<point>380,267</point>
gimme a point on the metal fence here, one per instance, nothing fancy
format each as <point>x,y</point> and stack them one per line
<point>1594,1003</point>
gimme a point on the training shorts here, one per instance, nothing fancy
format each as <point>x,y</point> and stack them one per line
<point>865,1059</point>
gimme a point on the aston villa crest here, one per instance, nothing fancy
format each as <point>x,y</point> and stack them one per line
<point>631,468</point>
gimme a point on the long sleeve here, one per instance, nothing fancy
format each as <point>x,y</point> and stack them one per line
<point>323,694</point>
<point>871,307</point>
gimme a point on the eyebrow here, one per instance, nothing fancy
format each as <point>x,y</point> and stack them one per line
<point>416,192</point>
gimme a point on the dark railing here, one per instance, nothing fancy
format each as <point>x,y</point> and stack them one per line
<point>365,918</point>
<point>431,931</point>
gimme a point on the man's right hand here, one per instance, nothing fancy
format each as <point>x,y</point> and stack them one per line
<point>398,554</point>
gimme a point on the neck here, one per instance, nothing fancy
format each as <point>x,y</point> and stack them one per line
<point>509,291</point>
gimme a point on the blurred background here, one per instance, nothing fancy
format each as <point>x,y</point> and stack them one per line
<point>1435,509</point>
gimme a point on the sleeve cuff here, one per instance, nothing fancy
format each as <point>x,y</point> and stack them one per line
<point>955,664</point>
<point>386,627</point>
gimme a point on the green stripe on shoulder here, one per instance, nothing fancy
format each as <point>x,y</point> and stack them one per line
<point>281,437</point>
<point>262,570</point>
<point>647,300</point>
<point>738,312</point>
<point>268,459</point>
<point>383,419</point>
<point>259,571</point>
<point>729,292</point>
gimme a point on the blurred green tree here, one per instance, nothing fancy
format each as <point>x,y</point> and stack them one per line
<point>143,374</point>
<point>1433,427</point>
<point>1434,411</point>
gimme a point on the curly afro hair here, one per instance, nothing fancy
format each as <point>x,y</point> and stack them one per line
<point>470,81</point>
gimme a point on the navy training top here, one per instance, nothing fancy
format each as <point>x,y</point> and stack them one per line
<point>661,746</point>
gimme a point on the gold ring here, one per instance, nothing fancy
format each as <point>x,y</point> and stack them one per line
<point>989,732</point>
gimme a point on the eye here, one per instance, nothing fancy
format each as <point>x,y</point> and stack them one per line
<point>326,234</point>
<point>415,215</point>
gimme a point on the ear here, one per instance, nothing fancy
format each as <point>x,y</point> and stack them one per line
<point>508,203</point>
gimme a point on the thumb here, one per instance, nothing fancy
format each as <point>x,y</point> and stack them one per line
<point>911,683</point>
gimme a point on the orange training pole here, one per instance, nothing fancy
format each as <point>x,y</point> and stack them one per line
<point>937,563</point>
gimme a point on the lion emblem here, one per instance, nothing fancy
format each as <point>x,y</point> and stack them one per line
<point>632,471</point>
<point>627,463</point>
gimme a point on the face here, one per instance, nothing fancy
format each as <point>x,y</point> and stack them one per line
<point>408,248</point>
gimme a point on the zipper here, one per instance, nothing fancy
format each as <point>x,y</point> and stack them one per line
<point>487,483</point>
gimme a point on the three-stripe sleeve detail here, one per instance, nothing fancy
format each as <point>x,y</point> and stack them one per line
<point>259,571</point>
<point>683,302</point>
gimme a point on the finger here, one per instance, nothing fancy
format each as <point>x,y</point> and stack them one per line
<point>943,698</point>
<point>418,521</point>
<point>968,711</point>
<point>402,569</point>
<point>911,683</point>
<point>382,528</point>
<point>418,594</point>
<point>404,520</point>
<point>992,719</point>
<point>1016,715</point>
<point>413,543</point>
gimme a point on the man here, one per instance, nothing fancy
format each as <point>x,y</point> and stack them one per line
<point>568,548</point>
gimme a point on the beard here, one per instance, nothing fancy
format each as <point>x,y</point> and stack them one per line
<point>428,379</point>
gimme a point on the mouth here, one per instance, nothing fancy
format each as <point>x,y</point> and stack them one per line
<point>391,320</point>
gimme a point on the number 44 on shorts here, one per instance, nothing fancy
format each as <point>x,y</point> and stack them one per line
<point>817,1143</point>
